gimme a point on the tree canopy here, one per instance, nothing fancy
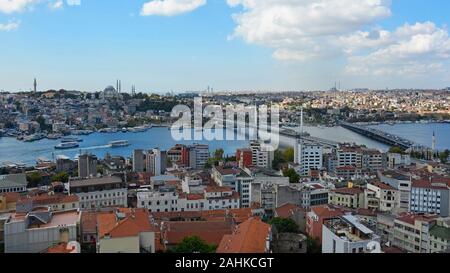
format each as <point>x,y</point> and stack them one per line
<point>194,244</point>
<point>294,177</point>
<point>283,225</point>
<point>61,177</point>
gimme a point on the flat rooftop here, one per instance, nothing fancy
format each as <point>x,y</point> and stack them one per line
<point>96,181</point>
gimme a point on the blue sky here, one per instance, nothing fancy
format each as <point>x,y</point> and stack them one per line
<point>234,45</point>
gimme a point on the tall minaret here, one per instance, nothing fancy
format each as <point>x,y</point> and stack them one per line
<point>433,144</point>
<point>301,121</point>
<point>35,85</point>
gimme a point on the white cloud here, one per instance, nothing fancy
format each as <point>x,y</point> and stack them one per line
<point>303,29</point>
<point>73,2</point>
<point>410,50</point>
<point>170,7</point>
<point>58,4</point>
<point>10,26</point>
<point>11,6</point>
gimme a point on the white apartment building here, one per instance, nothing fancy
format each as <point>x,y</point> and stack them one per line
<point>394,160</point>
<point>169,200</point>
<point>153,162</point>
<point>346,234</point>
<point>310,157</point>
<point>402,184</point>
<point>428,196</point>
<point>262,155</point>
<point>36,231</point>
<point>235,178</point>
<point>102,192</point>
<point>198,156</point>
<point>385,195</point>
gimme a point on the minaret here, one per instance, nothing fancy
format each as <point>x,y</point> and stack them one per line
<point>301,121</point>
<point>433,144</point>
<point>120,86</point>
<point>117,85</point>
<point>35,85</point>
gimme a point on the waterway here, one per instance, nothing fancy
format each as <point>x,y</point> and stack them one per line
<point>12,150</point>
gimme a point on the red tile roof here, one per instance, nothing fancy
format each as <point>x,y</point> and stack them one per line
<point>286,210</point>
<point>381,185</point>
<point>410,218</point>
<point>210,231</point>
<point>61,248</point>
<point>327,211</point>
<point>11,197</point>
<point>350,191</point>
<point>249,237</point>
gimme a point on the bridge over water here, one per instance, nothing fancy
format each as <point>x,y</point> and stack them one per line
<point>378,135</point>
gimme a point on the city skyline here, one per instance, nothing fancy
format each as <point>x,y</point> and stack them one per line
<point>228,45</point>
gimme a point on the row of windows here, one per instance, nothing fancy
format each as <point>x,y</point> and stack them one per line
<point>104,196</point>
<point>12,190</point>
<point>103,203</point>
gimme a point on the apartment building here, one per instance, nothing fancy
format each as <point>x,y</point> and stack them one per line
<point>381,197</point>
<point>262,155</point>
<point>169,199</point>
<point>347,234</point>
<point>402,184</point>
<point>412,232</point>
<point>310,157</point>
<point>13,183</point>
<point>36,231</point>
<point>347,197</point>
<point>100,192</point>
<point>430,196</point>
<point>235,178</point>
<point>440,235</point>
<point>56,202</point>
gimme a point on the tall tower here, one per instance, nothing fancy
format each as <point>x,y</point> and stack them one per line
<point>120,86</point>
<point>301,121</point>
<point>35,85</point>
<point>433,142</point>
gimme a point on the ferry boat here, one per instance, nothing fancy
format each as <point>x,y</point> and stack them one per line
<point>71,139</point>
<point>54,136</point>
<point>67,145</point>
<point>34,137</point>
<point>119,143</point>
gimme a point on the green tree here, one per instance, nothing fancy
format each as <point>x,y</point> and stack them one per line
<point>396,150</point>
<point>100,170</point>
<point>294,177</point>
<point>313,246</point>
<point>194,244</point>
<point>283,225</point>
<point>34,179</point>
<point>444,156</point>
<point>218,154</point>
<point>278,160</point>
<point>288,155</point>
<point>61,177</point>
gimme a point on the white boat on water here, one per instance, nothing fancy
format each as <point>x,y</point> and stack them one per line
<point>67,145</point>
<point>119,143</point>
<point>71,139</point>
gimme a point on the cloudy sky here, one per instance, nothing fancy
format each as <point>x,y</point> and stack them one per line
<point>228,44</point>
